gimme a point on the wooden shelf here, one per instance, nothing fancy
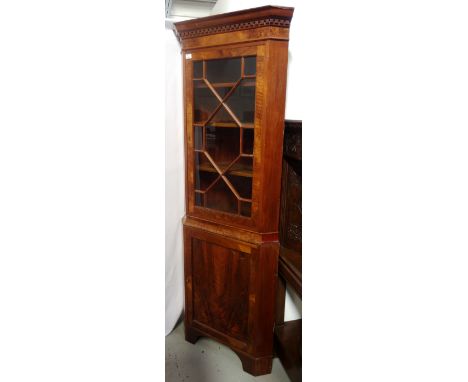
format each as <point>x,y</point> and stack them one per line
<point>226,124</point>
<point>223,124</point>
<point>199,83</point>
<point>237,169</point>
<point>288,346</point>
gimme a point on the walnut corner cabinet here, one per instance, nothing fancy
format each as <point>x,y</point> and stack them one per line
<point>235,68</point>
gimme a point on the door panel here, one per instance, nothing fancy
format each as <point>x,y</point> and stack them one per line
<point>222,131</point>
<point>221,288</point>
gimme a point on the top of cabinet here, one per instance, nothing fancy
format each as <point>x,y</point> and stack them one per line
<point>268,22</point>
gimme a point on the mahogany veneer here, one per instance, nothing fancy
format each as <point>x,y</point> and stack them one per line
<point>235,68</point>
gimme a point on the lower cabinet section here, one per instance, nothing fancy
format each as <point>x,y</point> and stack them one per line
<point>230,294</point>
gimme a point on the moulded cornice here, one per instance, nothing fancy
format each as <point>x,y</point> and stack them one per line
<point>235,21</point>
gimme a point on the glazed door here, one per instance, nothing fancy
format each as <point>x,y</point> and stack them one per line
<point>222,157</point>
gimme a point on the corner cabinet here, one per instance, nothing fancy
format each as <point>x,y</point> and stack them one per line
<point>235,68</point>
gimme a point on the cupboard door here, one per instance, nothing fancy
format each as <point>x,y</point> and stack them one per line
<point>221,125</point>
<point>221,288</point>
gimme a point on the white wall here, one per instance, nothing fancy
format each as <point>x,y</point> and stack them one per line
<point>297,62</point>
<point>175,187</point>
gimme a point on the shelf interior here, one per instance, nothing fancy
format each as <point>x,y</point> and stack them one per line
<point>198,83</point>
<point>223,133</point>
<point>225,124</point>
<point>237,169</point>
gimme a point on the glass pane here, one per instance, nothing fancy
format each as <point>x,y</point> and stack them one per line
<point>198,137</point>
<point>223,144</point>
<point>242,184</point>
<point>242,167</point>
<point>246,209</point>
<point>247,141</point>
<point>223,118</point>
<point>198,199</point>
<point>250,64</point>
<point>221,198</point>
<point>204,179</point>
<point>222,90</point>
<point>242,101</point>
<point>203,162</point>
<point>204,102</point>
<point>205,173</point>
<point>223,70</point>
<point>220,115</point>
<point>198,69</point>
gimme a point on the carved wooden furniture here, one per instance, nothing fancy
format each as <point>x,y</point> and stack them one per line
<point>288,335</point>
<point>235,68</point>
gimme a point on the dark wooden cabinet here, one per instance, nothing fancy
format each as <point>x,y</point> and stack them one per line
<point>235,69</point>
<point>288,335</point>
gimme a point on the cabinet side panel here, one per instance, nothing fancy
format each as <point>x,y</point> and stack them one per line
<point>276,62</point>
<point>266,272</point>
<point>188,308</point>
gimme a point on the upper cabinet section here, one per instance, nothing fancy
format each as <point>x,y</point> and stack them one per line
<point>249,25</point>
<point>235,70</point>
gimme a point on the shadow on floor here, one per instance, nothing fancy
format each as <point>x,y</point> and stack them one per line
<point>209,361</point>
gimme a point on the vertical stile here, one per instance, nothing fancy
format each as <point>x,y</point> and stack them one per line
<point>241,143</point>
<point>203,138</point>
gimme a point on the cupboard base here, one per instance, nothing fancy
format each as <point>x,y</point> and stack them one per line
<point>252,365</point>
<point>230,294</point>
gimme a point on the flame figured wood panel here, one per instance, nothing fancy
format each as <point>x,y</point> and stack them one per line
<point>220,288</point>
<point>230,294</point>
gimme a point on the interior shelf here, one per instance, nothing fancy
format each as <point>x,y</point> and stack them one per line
<point>199,83</point>
<point>236,169</point>
<point>226,124</point>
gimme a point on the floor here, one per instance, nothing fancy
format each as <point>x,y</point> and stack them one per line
<point>209,361</point>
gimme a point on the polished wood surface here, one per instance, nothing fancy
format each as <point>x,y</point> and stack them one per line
<point>220,287</point>
<point>292,148</point>
<point>291,192</point>
<point>288,335</point>
<point>288,346</point>
<point>250,25</point>
<point>268,131</point>
<point>231,259</point>
<point>290,263</point>
<point>230,294</point>
<point>290,268</point>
